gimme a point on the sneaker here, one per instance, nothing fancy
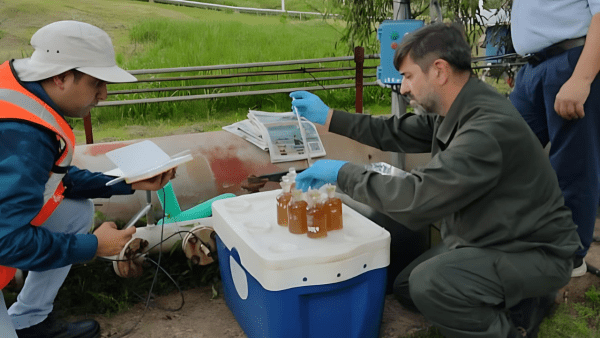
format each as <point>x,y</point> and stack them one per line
<point>527,316</point>
<point>579,267</point>
<point>54,328</point>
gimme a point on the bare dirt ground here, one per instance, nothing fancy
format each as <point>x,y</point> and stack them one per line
<point>574,292</point>
<point>203,317</point>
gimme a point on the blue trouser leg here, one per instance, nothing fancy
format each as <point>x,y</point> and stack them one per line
<point>575,144</point>
<point>35,301</point>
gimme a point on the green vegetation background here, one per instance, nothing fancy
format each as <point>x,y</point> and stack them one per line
<point>151,35</point>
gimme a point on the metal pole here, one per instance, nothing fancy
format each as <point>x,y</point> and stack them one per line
<point>283,5</point>
<point>435,11</point>
<point>359,58</point>
<point>401,12</point>
<point>148,211</point>
<point>87,126</point>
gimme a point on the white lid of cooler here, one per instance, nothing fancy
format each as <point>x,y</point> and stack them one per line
<point>281,260</point>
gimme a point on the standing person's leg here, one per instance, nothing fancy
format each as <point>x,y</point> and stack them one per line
<point>6,327</point>
<point>35,301</point>
<point>468,292</point>
<point>575,150</point>
<point>575,145</point>
<point>528,97</point>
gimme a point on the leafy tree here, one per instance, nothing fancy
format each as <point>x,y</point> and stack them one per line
<point>363,16</point>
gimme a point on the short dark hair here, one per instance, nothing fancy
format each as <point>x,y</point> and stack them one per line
<point>436,41</point>
<point>76,74</point>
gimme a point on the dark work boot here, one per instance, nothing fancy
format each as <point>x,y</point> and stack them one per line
<point>516,332</point>
<point>54,328</point>
<point>529,314</point>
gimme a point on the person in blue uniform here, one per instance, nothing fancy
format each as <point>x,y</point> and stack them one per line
<point>558,94</point>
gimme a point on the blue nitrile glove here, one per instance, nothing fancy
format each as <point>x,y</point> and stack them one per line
<point>321,173</point>
<point>310,106</point>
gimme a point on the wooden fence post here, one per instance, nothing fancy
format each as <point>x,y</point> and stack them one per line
<point>359,59</point>
<point>87,124</point>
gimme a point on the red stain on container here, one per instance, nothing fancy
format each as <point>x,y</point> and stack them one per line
<point>103,148</point>
<point>228,170</point>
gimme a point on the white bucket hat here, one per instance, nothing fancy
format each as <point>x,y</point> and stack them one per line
<point>65,45</point>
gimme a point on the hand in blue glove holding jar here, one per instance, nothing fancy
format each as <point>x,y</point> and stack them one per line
<point>319,174</point>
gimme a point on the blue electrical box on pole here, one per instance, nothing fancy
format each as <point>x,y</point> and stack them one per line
<point>390,34</point>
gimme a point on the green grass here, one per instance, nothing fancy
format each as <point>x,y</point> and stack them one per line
<point>580,320</point>
<point>166,43</point>
<point>155,35</point>
<point>571,320</point>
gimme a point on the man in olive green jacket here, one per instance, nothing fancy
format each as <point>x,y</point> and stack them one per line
<point>508,240</point>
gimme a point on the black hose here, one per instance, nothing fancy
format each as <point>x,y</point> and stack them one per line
<point>593,270</point>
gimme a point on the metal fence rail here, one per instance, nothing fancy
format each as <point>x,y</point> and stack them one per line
<point>358,68</point>
<point>247,74</point>
<point>229,85</point>
<point>248,65</point>
<point>248,70</point>
<point>230,94</point>
<point>302,70</point>
<point>246,9</point>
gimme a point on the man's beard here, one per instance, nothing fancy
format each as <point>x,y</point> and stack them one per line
<point>429,107</point>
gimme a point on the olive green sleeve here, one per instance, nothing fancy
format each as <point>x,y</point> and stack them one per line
<point>409,133</point>
<point>469,168</point>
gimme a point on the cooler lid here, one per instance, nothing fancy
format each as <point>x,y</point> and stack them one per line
<point>279,259</point>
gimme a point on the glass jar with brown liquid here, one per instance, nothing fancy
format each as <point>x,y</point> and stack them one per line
<point>283,201</point>
<point>333,209</point>
<point>297,213</point>
<point>315,216</point>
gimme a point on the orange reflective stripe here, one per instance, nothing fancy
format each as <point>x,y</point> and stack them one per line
<point>50,206</point>
<point>12,111</point>
<point>8,81</point>
<point>6,275</point>
<point>17,103</point>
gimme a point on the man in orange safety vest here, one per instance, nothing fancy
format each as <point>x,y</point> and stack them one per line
<point>45,207</point>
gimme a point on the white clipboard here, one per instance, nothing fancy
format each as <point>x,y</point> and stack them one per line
<point>142,160</point>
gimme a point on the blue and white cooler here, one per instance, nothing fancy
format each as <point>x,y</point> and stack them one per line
<point>278,284</point>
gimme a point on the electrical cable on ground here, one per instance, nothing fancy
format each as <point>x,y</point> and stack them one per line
<point>174,282</point>
<point>158,267</point>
